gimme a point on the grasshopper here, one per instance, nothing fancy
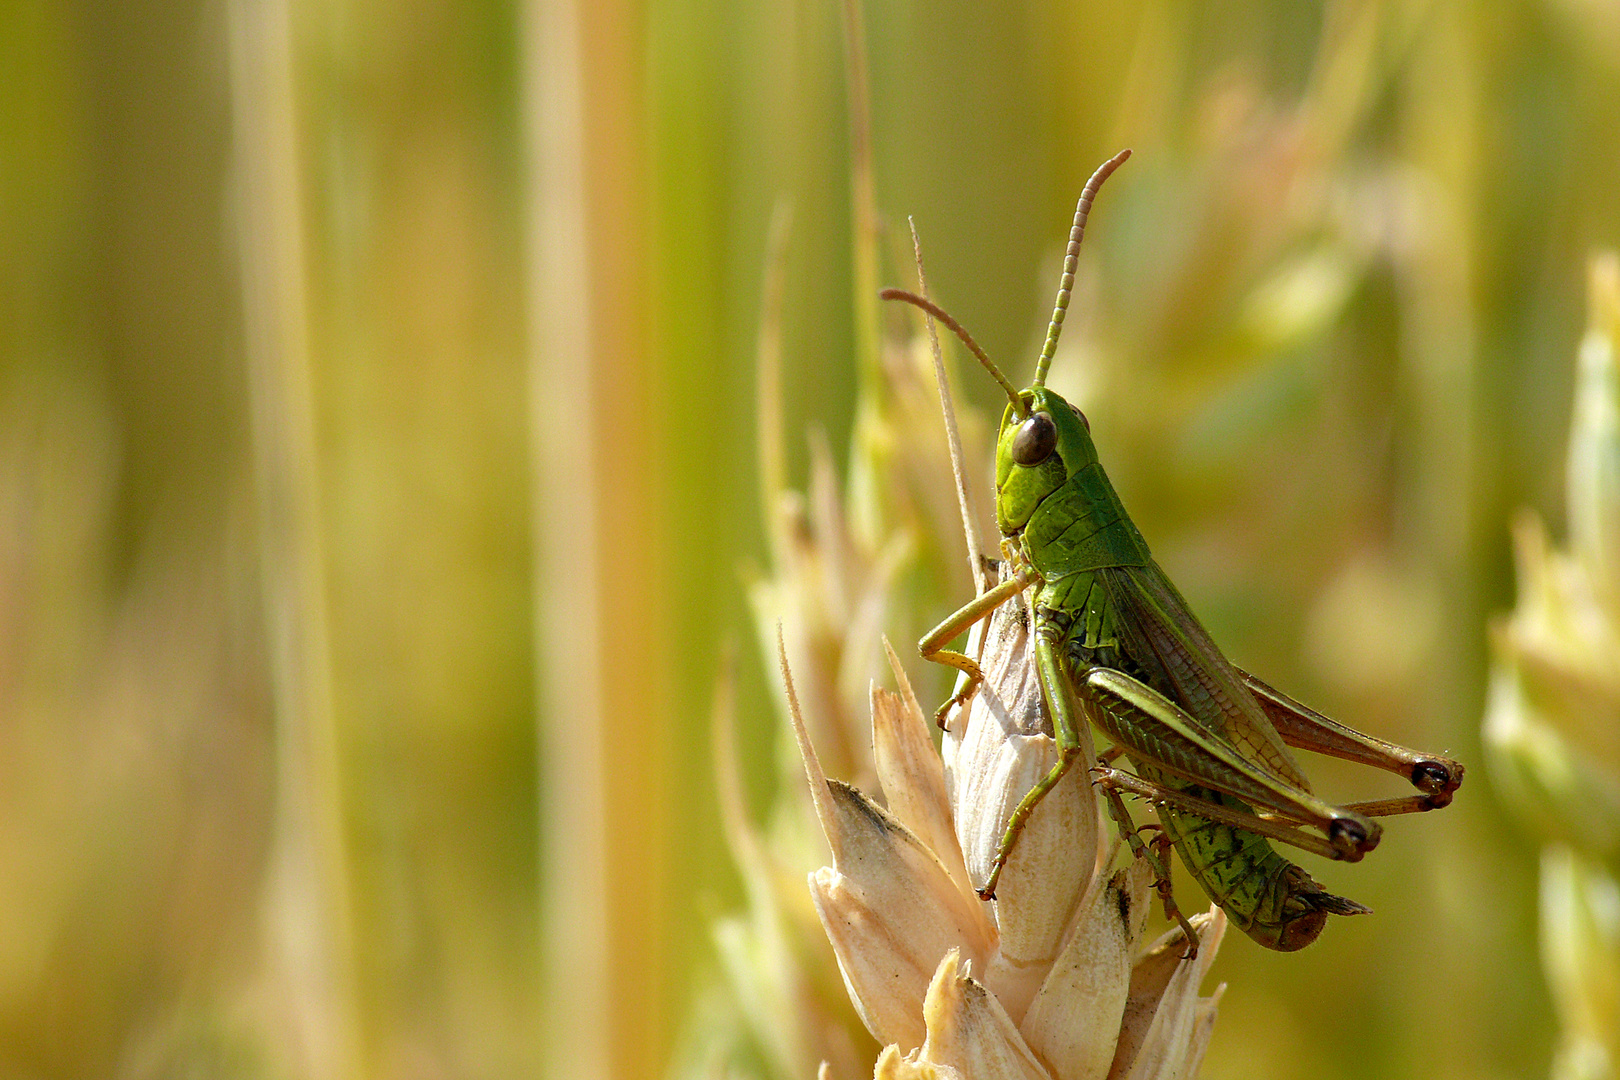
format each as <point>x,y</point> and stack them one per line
<point>1116,646</point>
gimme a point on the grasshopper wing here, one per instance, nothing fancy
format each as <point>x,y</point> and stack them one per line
<point>1179,659</point>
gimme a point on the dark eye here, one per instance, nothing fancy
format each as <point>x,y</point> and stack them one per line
<point>1035,441</point>
<point>1082,417</point>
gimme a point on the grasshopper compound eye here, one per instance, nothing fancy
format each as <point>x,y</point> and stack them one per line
<point>1035,441</point>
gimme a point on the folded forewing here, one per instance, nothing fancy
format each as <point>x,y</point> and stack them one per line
<point>1162,633</point>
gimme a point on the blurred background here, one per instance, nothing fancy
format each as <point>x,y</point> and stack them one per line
<point>378,476</point>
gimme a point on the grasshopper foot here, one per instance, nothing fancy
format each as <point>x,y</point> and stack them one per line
<point>959,698</point>
<point>987,891</point>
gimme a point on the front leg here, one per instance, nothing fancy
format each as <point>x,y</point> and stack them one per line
<point>933,648</point>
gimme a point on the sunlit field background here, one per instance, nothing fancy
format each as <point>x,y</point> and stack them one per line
<point>378,476</point>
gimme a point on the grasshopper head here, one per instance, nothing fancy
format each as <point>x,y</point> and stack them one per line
<point>1043,440</point>
<point>1037,453</point>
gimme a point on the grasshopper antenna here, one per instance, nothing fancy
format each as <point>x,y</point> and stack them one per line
<point>1071,260</point>
<point>967,339</point>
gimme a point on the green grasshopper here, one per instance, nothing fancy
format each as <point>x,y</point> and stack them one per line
<point>1116,645</point>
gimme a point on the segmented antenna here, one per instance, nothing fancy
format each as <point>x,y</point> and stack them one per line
<point>1071,260</point>
<point>967,339</point>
